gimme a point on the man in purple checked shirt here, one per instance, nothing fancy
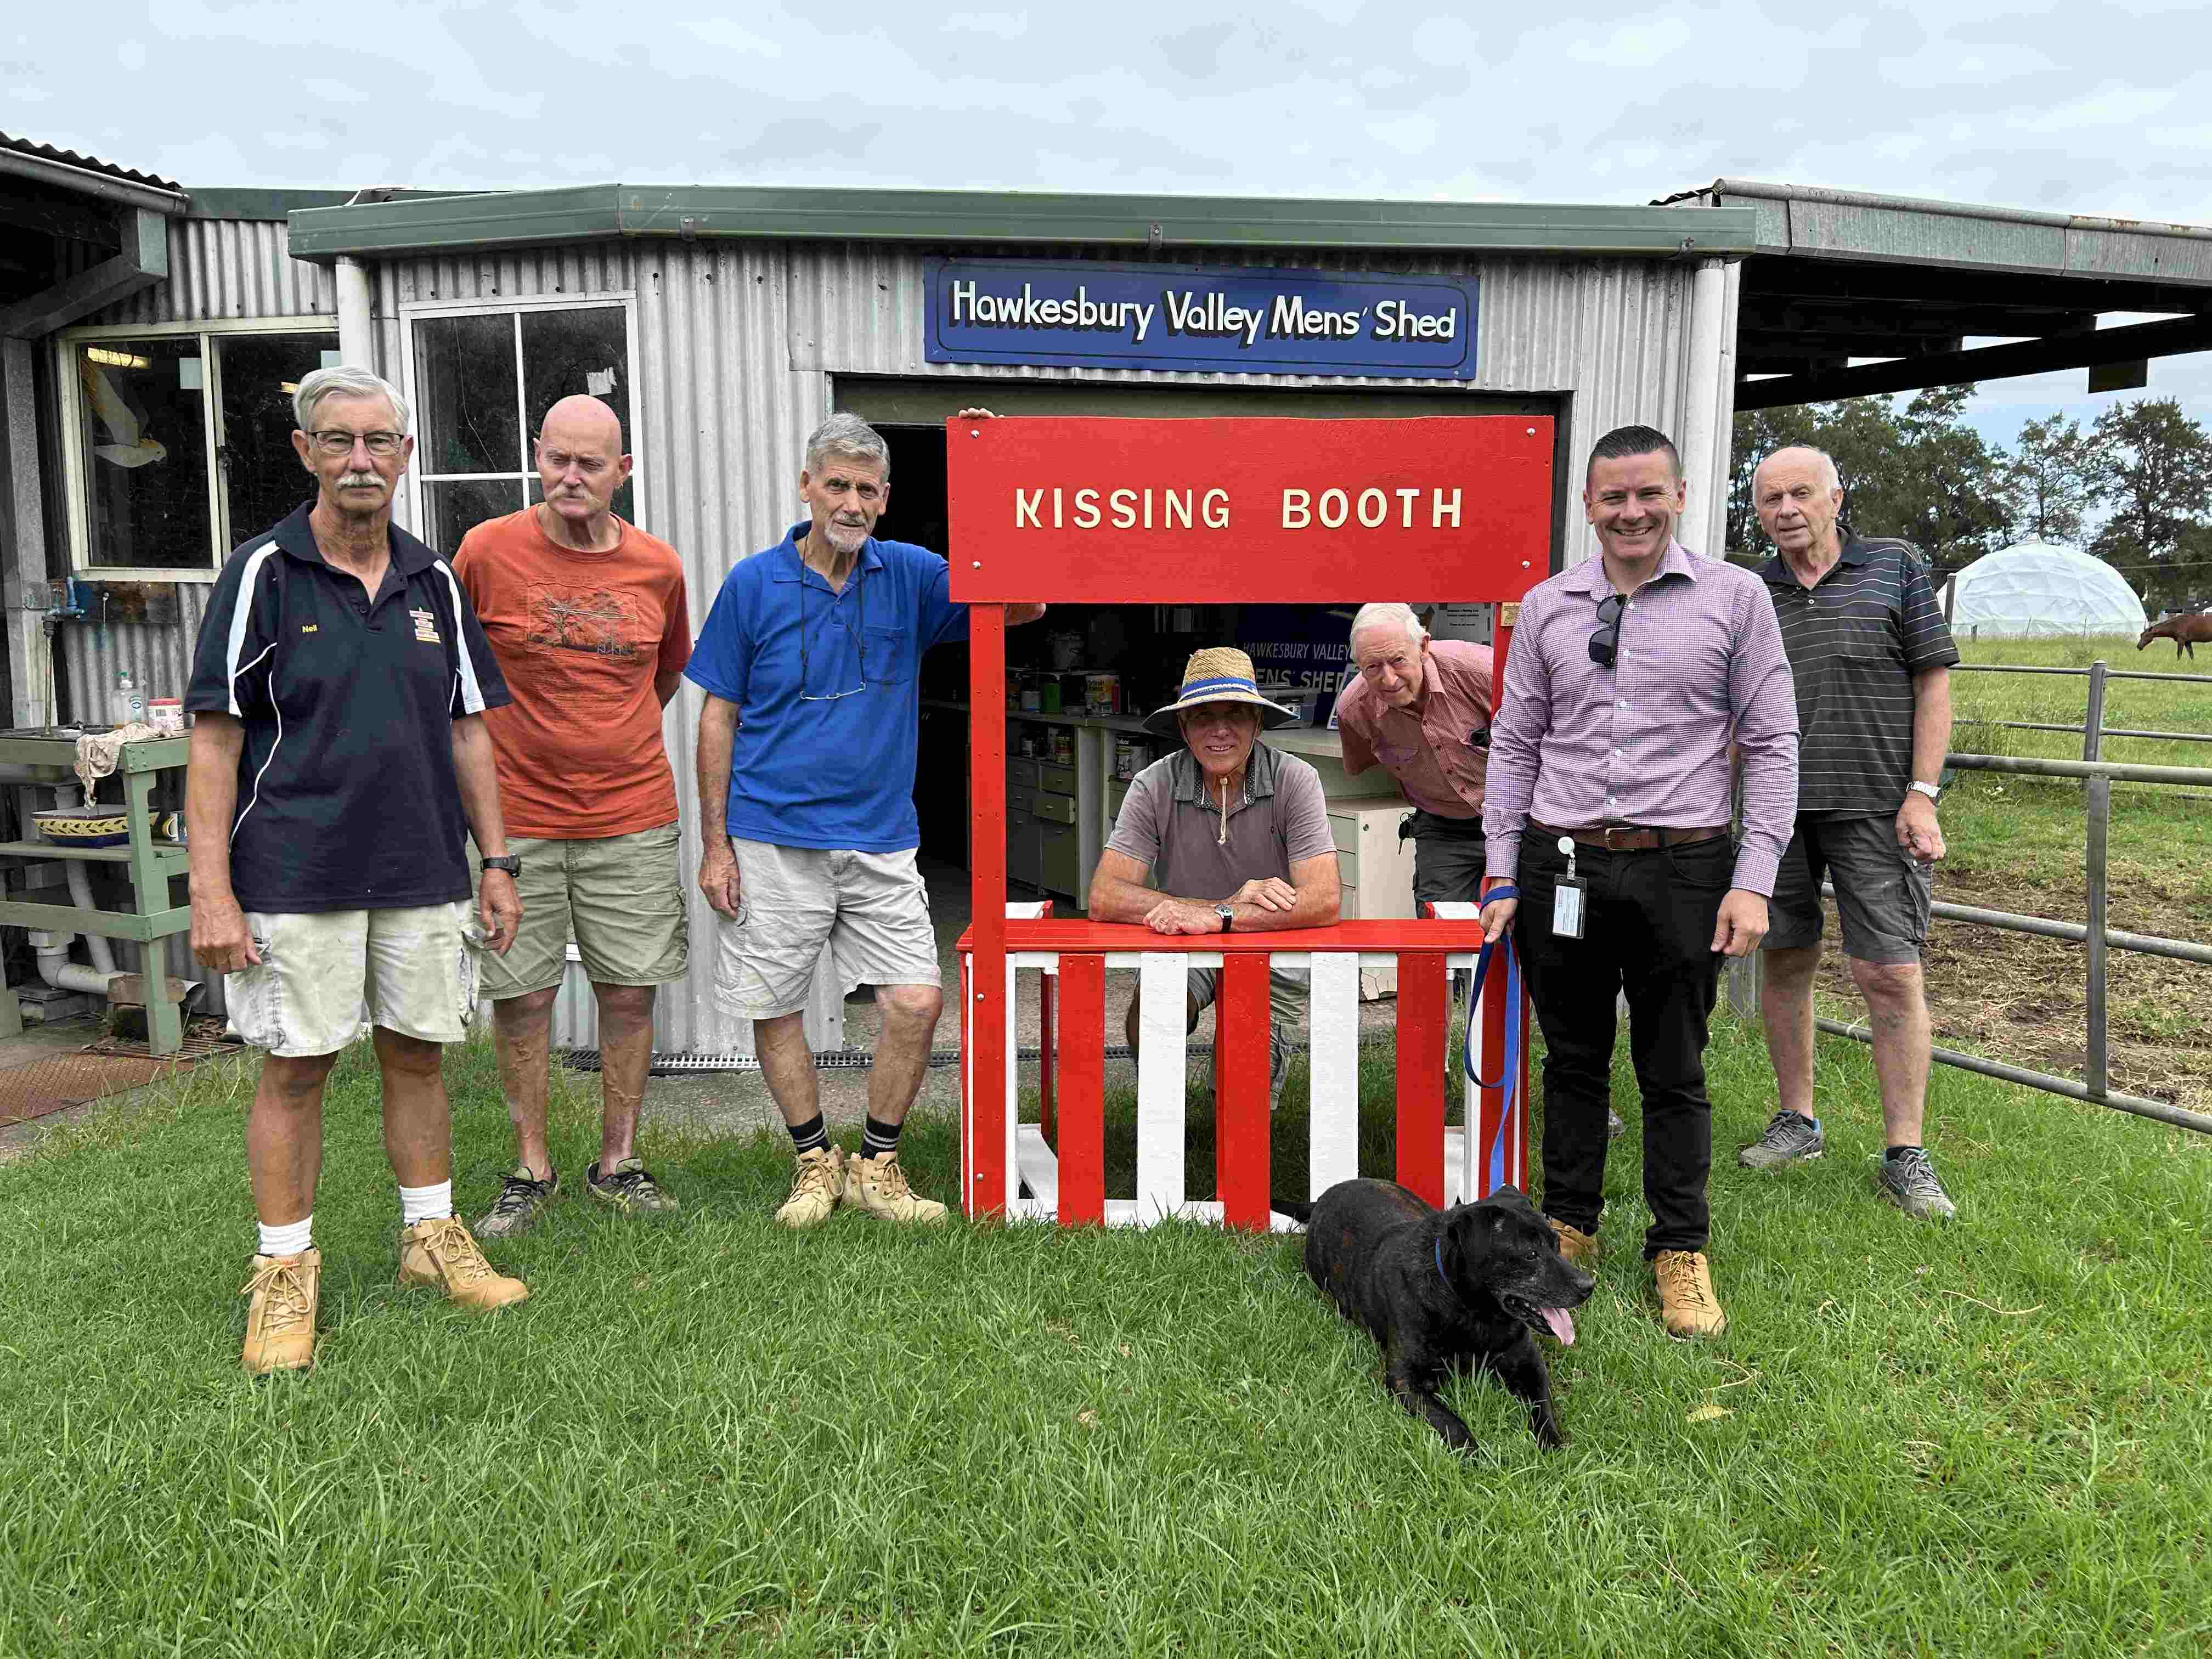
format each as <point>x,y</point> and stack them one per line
<point>1627,677</point>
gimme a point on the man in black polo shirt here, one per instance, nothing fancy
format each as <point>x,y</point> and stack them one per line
<point>1871,656</point>
<point>338,751</point>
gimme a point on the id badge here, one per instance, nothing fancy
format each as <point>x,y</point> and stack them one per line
<point>1567,907</point>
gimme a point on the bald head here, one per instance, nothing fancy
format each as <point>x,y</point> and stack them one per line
<point>1799,500</point>
<point>582,423</point>
<point>581,465</point>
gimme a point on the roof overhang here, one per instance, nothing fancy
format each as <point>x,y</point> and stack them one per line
<point>1844,274</point>
<point>1156,223</point>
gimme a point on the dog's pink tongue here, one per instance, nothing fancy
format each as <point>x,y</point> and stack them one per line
<point>1562,1324</point>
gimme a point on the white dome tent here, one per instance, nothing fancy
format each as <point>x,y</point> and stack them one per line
<point>2040,590</point>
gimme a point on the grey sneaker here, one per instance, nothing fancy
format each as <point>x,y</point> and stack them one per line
<point>1790,1138</point>
<point>521,1197</point>
<point>1909,1182</point>
<point>630,1187</point>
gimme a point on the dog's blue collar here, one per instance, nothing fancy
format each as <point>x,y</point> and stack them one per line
<point>1440,1265</point>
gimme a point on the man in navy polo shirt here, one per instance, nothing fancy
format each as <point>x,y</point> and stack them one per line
<point>339,750</point>
<point>807,826</point>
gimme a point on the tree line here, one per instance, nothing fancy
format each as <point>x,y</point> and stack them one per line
<point>2135,489</point>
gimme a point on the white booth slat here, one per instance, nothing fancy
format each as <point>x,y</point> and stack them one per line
<point>1161,1060</point>
<point>1333,1028</point>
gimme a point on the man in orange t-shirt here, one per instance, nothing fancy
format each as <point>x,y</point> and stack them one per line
<point>587,618</point>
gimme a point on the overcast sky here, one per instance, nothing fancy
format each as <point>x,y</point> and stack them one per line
<point>2104,109</point>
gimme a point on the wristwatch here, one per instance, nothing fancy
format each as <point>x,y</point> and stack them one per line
<point>1228,915</point>
<point>512,865</point>
<point>1933,790</point>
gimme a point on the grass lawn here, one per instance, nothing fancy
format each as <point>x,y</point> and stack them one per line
<point>712,1438</point>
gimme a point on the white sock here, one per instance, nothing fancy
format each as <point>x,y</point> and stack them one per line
<point>425,1203</point>
<point>289,1239</point>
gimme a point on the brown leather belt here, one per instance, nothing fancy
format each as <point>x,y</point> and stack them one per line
<point>1630,838</point>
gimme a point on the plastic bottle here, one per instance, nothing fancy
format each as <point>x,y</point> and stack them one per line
<point>129,704</point>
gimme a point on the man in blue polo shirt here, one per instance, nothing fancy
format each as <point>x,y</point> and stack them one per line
<point>338,749</point>
<point>807,827</point>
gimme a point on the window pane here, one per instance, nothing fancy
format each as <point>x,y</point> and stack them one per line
<point>458,506</point>
<point>569,351</point>
<point>145,453</point>
<point>465,378</point>
<point>262,478</point>
<point>625,503</point>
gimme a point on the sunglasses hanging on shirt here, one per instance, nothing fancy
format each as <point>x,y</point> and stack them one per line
<point>1605,644</point>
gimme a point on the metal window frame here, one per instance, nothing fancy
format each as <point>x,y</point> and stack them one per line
<point>76,476</point>
<point>410,312</point>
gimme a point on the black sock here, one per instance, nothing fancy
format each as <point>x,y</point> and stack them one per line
<point>809,1137</point>
<point>879,1139</point>
<point>1896,1152</point>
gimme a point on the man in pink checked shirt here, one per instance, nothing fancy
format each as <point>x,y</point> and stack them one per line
<point>1628,675</point>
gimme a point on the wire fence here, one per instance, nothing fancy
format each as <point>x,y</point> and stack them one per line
<point>2097,939</point>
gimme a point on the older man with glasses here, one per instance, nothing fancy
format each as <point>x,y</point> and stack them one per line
<point>807,828</point>
<point>338,755</point>
<point>1608,797</point>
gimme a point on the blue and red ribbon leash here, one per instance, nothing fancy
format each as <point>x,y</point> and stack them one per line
<point>1508,1078</point>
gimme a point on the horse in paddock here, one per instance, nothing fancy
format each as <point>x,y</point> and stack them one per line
<point>2187,633</point>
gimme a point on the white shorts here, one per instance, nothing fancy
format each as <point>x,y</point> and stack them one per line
<point>870,909</point>
<point>327,976</point>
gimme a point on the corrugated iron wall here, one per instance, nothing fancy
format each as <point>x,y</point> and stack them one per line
<point>737,347</point>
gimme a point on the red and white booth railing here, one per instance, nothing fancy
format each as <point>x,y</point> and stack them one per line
<point>1055,1168</point>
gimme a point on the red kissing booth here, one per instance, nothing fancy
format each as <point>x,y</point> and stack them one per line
<point>1223,512</point>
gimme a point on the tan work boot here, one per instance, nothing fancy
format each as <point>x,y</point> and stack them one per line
<point>878,1185</point>
<point>1686,1302</point>
<point>1577,1246</point>
<point>280,1321</point>
<point>442,1253</point>
<point>818,1179</point>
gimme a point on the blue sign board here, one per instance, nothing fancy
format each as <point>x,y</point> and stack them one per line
<point>1233,321</point>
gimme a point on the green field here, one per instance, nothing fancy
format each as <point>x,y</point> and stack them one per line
<point>713,1437</point>
<point>2018,844</point>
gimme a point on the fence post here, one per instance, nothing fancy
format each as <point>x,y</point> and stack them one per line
<point>2097,798</point>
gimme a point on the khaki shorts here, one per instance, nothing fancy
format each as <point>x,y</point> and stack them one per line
<point>870,909</point>
<point>325,977</point>
<point>620,896</point>
<point>1289,992</point>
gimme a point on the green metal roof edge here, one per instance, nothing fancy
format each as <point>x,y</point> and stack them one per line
<point>253,202</point>
<point>519,218</point>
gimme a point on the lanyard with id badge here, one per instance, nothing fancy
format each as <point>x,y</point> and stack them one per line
<point>1568,895</point>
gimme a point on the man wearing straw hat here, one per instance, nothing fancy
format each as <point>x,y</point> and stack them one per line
<point>1229,833</point>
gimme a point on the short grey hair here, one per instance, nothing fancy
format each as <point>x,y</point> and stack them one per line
<point>1388,614</point>
<point>1833,479</point>
<point>344,382</point>
<point>848,438</point>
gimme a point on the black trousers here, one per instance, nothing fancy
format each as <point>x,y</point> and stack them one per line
<point>1647,931</point>
<point>1447,858</point>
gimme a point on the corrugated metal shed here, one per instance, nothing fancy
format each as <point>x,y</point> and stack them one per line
<point>740,344</point>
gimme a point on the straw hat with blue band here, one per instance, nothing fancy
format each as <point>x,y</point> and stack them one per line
<point>1220,673</point>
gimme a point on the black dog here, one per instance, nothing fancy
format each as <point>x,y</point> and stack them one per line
<point>1460,1289</point>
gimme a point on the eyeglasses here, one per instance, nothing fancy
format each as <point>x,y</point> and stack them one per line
<point>333,441</point>
<point>836,621</point>
<point>1605,644</point>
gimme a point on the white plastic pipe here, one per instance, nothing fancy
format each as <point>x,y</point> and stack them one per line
<point>1702,452</point>
<point>80,887</point>
<point>57,970</point>
<point>357,336</point>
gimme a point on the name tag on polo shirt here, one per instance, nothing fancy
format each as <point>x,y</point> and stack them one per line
<point>425,627</point>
